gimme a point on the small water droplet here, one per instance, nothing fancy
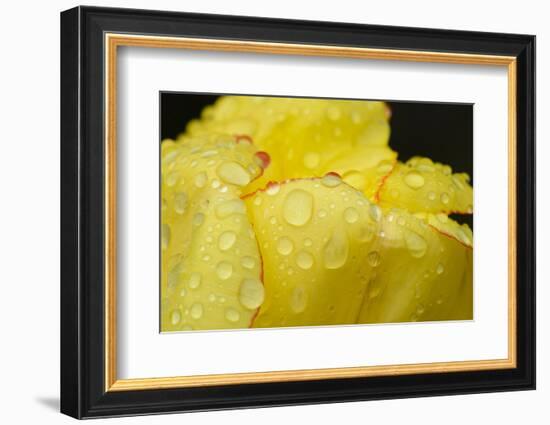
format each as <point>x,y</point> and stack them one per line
<point>257,201</point>
<point>251,293</point>
<point>304,260</point>
<point>366,232</point>
<point>183,292</point>
<point>351,215</point>
<point>321,213</point>
<point>416,244</point>
<point>233,173</point>
<point>308,242</point>
<point>285,246</point>
<point>440,268</point>
<point>420,309</point>
<point>373,258</point>
<point>401,221</point>
<point>335,252</point>
<point>298,207</point>
<point>224,270</point>
<point>232,315</point>
<point>445,198</point>
<point>431,196</point>
<point>227,240</point>
<point>248,262</point>
<point>414,180</point>
<point>333,113</point>
<point>273,188</point>
<point>196,311</point>
<point>331,180</point>
<point>198,219</point>
<point>384,167</point>
<point>194,280</point>
<point>298,299</point>
<point>175,317</point>
<point>180,202</point>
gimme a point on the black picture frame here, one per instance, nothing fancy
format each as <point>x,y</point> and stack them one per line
<point>83,392</point>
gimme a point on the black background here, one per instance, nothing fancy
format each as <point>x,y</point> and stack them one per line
<point>442,132</point>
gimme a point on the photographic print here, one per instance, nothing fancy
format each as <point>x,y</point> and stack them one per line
<point>291,212</point>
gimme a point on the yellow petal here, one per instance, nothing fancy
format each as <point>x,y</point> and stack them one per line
<point>314,237</point>
<point>425,272</point>
<point>304,137</point>
<point>211,265</point>
<point>422,185</point>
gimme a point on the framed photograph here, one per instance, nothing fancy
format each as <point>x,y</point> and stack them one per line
<point>261,212</point>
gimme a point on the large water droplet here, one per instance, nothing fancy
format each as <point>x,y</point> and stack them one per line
<point>416,244</point>
<point>227,240</point>
<point>298,299</point>
<point>414,180</point>
<point>224,270</point>
<point>285,246</point>
<point>304,260</point>
<point>298,207</point>
<point>373,258</point>
<point>196,311</point>
<point>175,317</point>
<point>233,173</point>
<point>194,280</point>
<point>251,293</point>
<point>351,215</point>
<point>232,315</point>
<point>335,252</point>
<point>180,202</point>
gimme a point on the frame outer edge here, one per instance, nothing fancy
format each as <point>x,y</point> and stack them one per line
<point>70,349</point>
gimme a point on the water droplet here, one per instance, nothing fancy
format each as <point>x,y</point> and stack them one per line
<point>224,270</point>
<point>227,240</point>
<point>200,179</point>
<point>298,299</point>
<point>331,180</point>
<point>308,242</point>
<point>251,293</point>
<point>311,159</point>
<point>165,235</point>
<point>257,201</point>
<point>183,292</point>
<point>298,207</point>
<point>175,317</point>
<point>431,196</point>
<point>401,221</point>
<point>273,188</point>
<point>420,309</point>
<point>194,280</point>
<point>446,170</point>
<point>373,258</point>
<point>290,271</point>
<point>440,268</point>
<point>375,212</point>
<point>215,184</point>
<point>180,202</point>
<point>414,180</point>
<point>172,178</point>
<point>232,315</point>
<point>321,213</point>
<point>304,260</point>
<point>366,232</point>
<point>335,253</point>
<point>233,173</point>
<point>196,311</point>
<point>416,244</point>
<point>248,262</point>
<point>273,220</point>
<point>198,219</point>
<point>351,215</point>
<point>285,246</point>
<point>445,198</point>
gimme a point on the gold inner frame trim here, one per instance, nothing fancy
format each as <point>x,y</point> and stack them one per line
<point>113,41</point>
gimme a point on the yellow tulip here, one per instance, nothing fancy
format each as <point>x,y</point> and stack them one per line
<point>295,212</point>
